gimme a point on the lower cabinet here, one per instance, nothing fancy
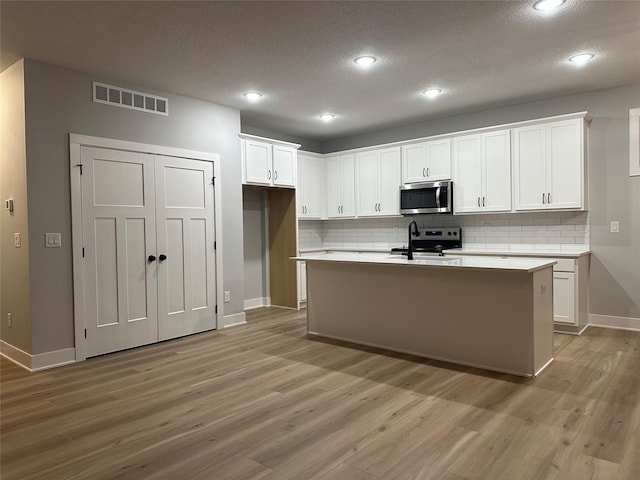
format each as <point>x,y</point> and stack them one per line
<point>571,294</point>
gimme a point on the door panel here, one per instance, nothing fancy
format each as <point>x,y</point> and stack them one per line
<point>564,176</point>
<point>186,279</point>
<point>530,168</point>
<point>438,160</point>
<point>283,166</point>
<point>496,188</point>
<point>174,287</point>
<point>106,271</point>
<point>414,163</point>
<point>368,184</point>
<point>390,178</point>
<point>467,169</point>
<point>119,233</point>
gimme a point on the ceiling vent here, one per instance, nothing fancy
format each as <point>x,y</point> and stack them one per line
<point>123,97</point>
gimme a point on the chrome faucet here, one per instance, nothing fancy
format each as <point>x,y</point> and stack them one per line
<point>416,233</point>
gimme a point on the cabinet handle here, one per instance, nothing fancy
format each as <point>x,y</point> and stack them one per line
<point>162,257</point>
<point>275,174</point>
<point>151,258</point>
<point>269,174</point>
<point>543,200</point>
<point>478,201</point>
<point>483,201</point>
<point>424,170</point>
<point>549,198</point>
<point>305,209</point>
<point>428,173</point>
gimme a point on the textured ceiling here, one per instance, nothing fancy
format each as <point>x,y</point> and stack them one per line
<point>300,54</point>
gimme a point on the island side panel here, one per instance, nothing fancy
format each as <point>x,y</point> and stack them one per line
<point>543,318</point>
<point>470,316</point>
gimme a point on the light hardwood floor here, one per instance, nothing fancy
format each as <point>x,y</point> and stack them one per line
<point>262,401</point>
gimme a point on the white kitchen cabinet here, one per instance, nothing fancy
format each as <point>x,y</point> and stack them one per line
<point>340,186</point>
<point>482,172</point>
<point>426,161</point>
<point>268,162</point>
<point>564,308</point>
<point>549,165</point>
<point>310,188</point>
<point>378,182</point>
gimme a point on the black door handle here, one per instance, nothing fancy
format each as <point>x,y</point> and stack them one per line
<point>162,257</point>
<point>152,258</point>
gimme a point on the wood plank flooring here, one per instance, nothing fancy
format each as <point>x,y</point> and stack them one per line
<point>263,401</point>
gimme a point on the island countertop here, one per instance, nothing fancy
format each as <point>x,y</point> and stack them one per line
<point>462,262</point>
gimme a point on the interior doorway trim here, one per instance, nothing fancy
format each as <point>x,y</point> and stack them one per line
<point>77,141</point>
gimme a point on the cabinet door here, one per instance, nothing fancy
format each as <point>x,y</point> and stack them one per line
<point>348,179</point>
<point>565,177</point>
<point>284,159</point>
<point>257,157</point>
<point>467,173</point>
<point>368,184</point>
<point>438,162</point>
<point>413,163</point>
<point>496,174</point>
<point>334,187</point>
<point>313,196</point>
<point>389,173</point>
<point>529,168</point>
<point>564,310</point>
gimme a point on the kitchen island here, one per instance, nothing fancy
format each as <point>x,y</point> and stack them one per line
<point>485,312</point>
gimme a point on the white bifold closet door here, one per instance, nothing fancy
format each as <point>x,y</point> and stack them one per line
<point>149,257</point>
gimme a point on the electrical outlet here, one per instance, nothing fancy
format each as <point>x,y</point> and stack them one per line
<point>9,320</point>
<point>227,296</point>
<point>615,226</point>
<point>17,240</point>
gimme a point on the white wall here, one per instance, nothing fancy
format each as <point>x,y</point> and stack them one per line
<point>59,102</point>
<point>254,226</point>
<point>14,262</point>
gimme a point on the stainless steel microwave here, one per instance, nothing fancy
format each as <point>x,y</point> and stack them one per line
<point>426,197</point>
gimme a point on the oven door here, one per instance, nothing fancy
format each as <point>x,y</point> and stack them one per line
<point>432,197</point>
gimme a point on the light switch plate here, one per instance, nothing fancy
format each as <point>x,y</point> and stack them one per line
<point>615,226</point>
<point>17,240</point>
<point>53,240</point>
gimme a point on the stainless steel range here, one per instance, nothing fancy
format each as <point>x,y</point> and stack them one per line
<point>432,241</point>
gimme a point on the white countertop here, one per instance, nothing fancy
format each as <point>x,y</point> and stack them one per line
<point>516,250</point>
<point>464,262</point>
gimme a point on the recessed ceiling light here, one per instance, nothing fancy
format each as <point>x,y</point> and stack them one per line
<point>547,5</point>
<point>327,117</point>
<point>365,60</point>
<point>582,58</point>
<point>432,92</point>
<point>253,96</point>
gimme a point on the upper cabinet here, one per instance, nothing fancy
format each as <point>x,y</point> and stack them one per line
<point>378,182</point>
<point>268,162</point>
<point>549,163</point>
<point>426,161</point>
<point>482,172</point>
<point>340,186</point>
<point>311,185</point>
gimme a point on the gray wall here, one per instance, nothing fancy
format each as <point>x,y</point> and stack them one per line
<point>613,195</point>
<point>14,262</point>
<point>254,223</point>
<point>59,102</point>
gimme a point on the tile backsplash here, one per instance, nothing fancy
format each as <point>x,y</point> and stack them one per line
<point>491,230</point>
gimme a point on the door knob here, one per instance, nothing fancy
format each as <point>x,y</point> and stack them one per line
<point>162,257</point>
<point>151,258</point>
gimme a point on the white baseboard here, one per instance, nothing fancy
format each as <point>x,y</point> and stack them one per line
<point>232,320</point>
<point>40,361</point>
<point>257,303</point>
<point>609,321</point>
